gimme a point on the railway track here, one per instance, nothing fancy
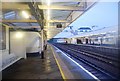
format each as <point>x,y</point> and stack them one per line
<point>99,65</point>
<point>111,61</point>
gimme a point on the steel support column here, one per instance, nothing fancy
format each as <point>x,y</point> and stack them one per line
<point>42,42</point>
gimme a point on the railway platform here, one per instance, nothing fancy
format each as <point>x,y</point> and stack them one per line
<point>34,68</point>
<point>66,40</point>
<point>55,65</point>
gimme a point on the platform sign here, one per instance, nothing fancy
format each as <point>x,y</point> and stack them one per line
<point>59,25</point>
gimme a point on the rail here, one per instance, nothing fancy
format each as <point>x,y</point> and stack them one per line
<point>105,62</point>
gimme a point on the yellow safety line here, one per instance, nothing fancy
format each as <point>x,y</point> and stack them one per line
<point>61,71</point>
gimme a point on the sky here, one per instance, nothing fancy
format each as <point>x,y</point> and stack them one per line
<point>103,14</point>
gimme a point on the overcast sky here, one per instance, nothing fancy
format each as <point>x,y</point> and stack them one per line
<point>103,14</point>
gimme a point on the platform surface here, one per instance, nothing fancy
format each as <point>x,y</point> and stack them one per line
<point>55,65</point>
<point>34,68</point>
<point>70,69</point>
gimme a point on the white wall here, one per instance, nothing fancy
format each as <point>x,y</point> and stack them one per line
<point>17,45</point>
<point>5,53</point>
<point>68,40</point>
<point>74,41</point>
<point>29,42</point>
<point>33,42</point>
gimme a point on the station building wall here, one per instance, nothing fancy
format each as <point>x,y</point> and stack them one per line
<point>30,42</point>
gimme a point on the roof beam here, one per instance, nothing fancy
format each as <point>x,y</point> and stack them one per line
<point>61,21</point>
<point>16,6</point>
<point>30,21</point>
<point>19,21</point>
<point>41,0</point>
<point>25,27</point>
<point>55,7</point>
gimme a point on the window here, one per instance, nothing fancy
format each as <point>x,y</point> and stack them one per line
<point>2,38</point>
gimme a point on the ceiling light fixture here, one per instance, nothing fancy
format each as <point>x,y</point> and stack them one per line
<point>25,14</point>
<point>48,2</point>
<point>48,12</point>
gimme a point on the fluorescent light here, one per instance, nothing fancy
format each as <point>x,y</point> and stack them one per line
<point>25,14</point>
<point>48,11</point>
<point>48,2</point>
<point>48,17</point>
<point>48,24</point>
<point>48,14</point>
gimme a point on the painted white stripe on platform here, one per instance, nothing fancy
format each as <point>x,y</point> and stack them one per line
<point>79,65</point>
